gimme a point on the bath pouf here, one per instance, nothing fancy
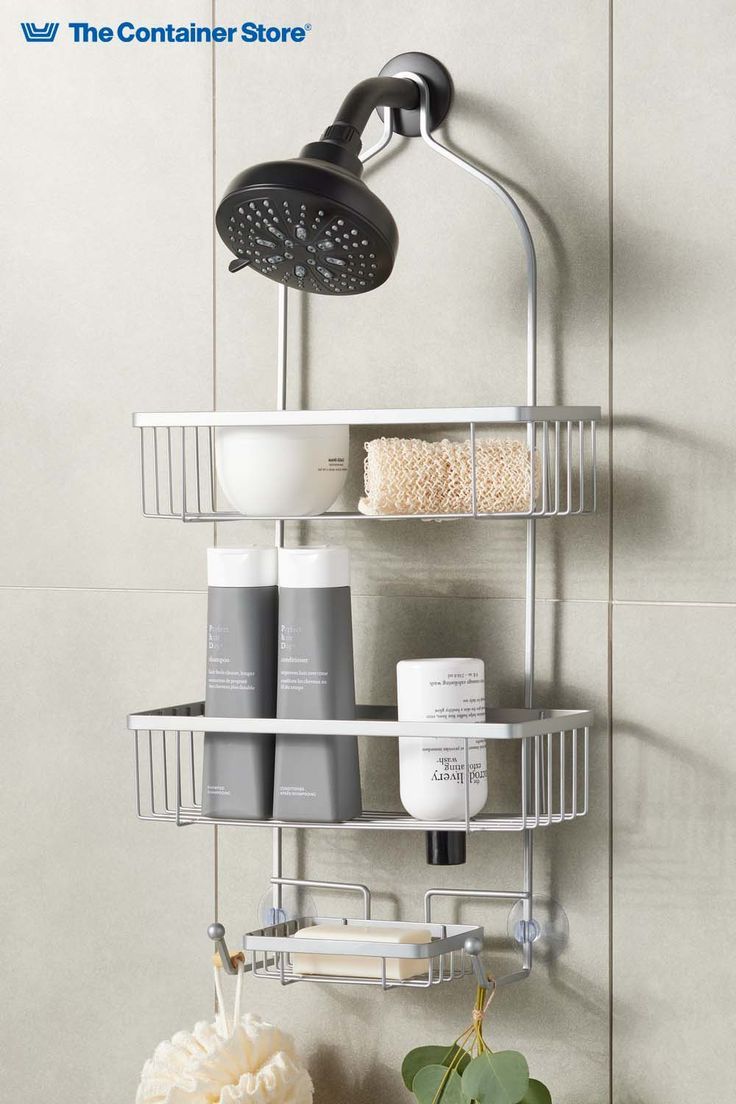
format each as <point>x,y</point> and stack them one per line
<point>252,1062</point>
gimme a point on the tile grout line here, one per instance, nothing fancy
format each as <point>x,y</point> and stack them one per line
<point>611,603</point>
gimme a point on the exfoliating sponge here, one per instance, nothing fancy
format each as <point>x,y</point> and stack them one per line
<point>410,476</point>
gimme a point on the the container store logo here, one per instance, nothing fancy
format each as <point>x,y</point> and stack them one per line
<point>129,32</point>
<point>39,32</point>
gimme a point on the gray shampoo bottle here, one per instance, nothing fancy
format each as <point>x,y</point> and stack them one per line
<point>237,777</point>
<point>317,778</point>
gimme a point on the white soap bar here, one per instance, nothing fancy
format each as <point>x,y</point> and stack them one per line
<point>363,966</point>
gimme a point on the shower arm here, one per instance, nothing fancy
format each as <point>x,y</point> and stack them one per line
<point>360,103</point>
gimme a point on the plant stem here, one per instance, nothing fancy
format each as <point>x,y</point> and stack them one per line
<point>473,1035</point>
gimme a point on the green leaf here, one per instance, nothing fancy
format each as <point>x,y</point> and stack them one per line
<point>500,1078</point>
<point>427,1083</point>
<point>430,1056</point>
<point>537,1093</point>
<point>419,1058</point>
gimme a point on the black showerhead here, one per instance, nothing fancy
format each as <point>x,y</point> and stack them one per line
<point>311,223</point>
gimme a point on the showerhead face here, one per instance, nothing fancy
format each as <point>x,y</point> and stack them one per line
<point>311,225</point>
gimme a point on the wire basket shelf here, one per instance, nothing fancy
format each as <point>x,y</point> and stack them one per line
<point>538,765</point>
<point>270,953</point>
<point>179,477</point>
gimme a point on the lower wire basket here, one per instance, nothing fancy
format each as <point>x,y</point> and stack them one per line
<point>278,952</point>
<point>538,765</point>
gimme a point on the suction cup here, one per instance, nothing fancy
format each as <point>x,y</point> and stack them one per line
<point>406,120</point>
<point>295,903</point>
<point>548,930</point>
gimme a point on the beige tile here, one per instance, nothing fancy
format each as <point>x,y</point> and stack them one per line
<point>448,328</point>
<point>674,834</point>
<point>675,214</point>
<point>107,238</point>
<point>565,1001</point>
<point>103,916</point>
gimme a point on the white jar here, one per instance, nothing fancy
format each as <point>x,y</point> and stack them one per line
<point>432,769</point>
<point>282,470</point>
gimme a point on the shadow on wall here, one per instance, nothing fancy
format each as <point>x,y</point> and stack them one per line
<point>642,499</point>
<point>663,778</point>
<point>327,1067</point>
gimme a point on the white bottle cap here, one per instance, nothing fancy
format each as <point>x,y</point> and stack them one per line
<point>241,567</point>
<point>319,566</point>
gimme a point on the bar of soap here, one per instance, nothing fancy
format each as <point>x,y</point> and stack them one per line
<point>362,966</point>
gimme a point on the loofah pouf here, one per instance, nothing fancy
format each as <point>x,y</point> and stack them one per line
<point>411,476</point>
<point>248,1061</point>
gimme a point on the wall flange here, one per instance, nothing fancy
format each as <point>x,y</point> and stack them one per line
<point>439,82</point>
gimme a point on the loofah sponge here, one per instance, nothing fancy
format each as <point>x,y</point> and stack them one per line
<point>256,1064</point>
<point>409,476</point>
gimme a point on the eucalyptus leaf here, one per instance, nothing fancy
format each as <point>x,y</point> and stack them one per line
<point>451,1058</point>
<point>431,1056</point>
<point>419,1058</point>
<point>500,1078</point>
<point>427,1083</point>
<point>537,1093</point>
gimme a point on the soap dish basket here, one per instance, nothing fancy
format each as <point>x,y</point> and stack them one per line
<point>270,953</point>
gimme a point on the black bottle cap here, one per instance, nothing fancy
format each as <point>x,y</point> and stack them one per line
<point>445,848</point>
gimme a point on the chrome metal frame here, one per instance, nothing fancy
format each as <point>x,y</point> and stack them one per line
<point>178,480</point>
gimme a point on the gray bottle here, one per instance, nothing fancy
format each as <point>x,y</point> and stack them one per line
<point>237,778</point>
<point>317,778</point>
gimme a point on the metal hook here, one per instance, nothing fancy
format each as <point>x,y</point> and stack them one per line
<point>473,947</point>
<point>216,932</point>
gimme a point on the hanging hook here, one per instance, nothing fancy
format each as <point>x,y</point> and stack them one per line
<point>473,947</point>
<point>229,962</point>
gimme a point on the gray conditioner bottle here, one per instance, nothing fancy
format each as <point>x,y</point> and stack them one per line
<point>317,778</point>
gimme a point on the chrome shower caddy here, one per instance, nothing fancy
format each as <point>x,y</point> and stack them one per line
<point>551,747</point>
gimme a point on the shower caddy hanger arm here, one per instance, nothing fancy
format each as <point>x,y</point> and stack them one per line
<point>415,91</point>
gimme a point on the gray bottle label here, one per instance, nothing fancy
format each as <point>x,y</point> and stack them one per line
<point>241,651</point>
<point>317,778</point>
<point>315,654</point>
<point>237,781</point>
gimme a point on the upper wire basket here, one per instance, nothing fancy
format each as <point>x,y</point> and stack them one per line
<point>179,476</point>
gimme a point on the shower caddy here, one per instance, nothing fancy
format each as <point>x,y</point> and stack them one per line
<point>178,481</point>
